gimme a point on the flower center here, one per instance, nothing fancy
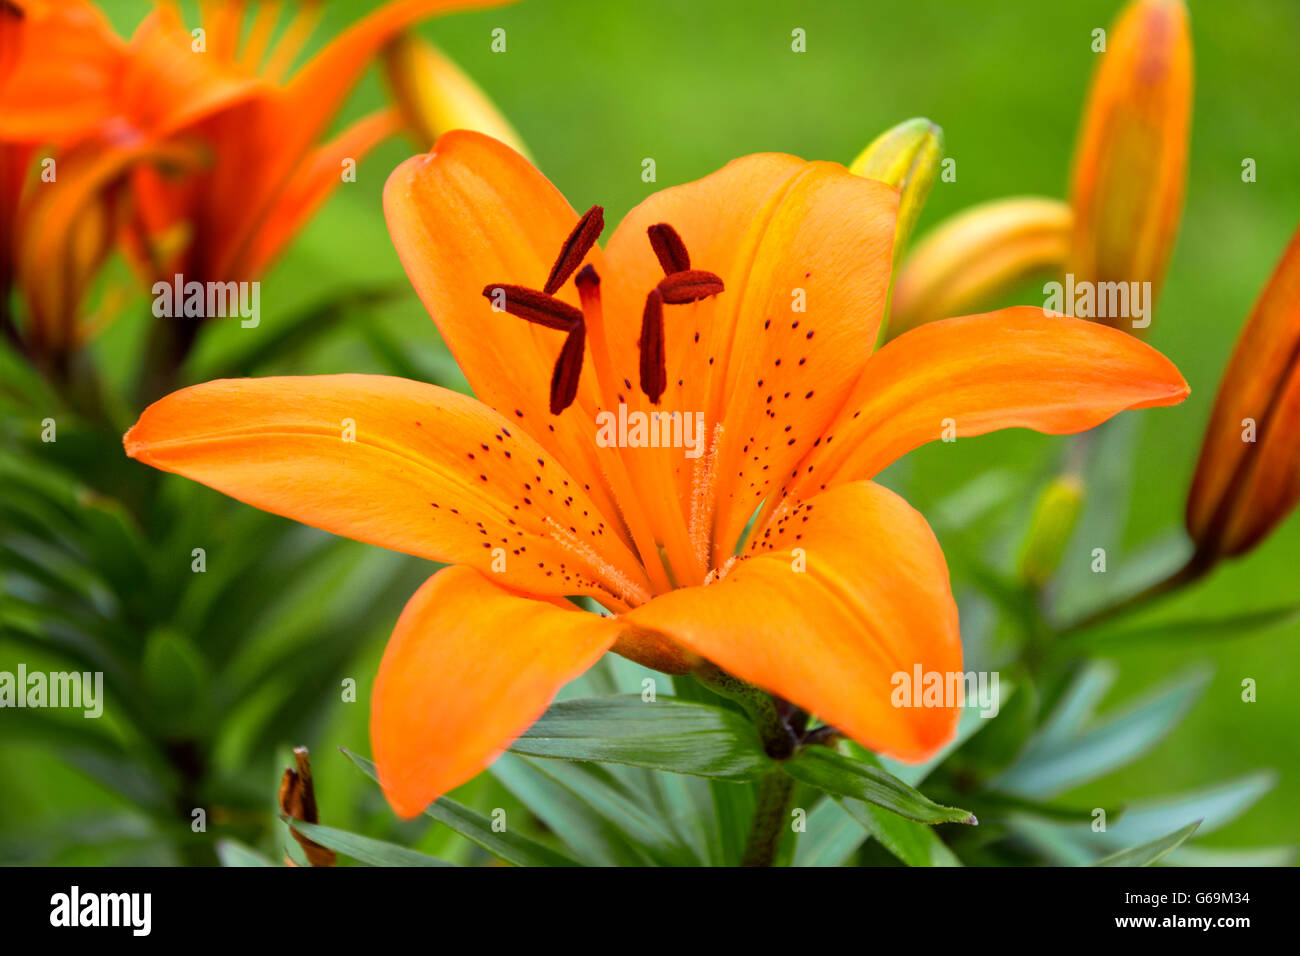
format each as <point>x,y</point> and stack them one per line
<point>681,284</point>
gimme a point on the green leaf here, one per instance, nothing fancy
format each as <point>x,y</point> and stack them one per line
<point>1049,766</point>
<point>836,774</point>
<point>667,734</point>
<point>1075,709</point>
<point>1149,853</point>
<point>1183,631</point>
<point>831,836</point>
<point>476,828</point>
<point>364,849</point>
<point>233,853</point>
<point>1214,806</point>
<point>587,812</point>
<point>915,844</point>
<point>1223,856</point>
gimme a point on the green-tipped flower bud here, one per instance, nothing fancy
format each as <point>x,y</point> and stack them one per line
<point>907,157</point>
<point>1054,519</point>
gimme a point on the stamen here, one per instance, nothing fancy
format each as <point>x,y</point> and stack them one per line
<point>568,370</point>
<point>533,306</point>
<point>669,248</point>
<point>681,285</point>
<point>703,485</point>
<point>654,369</point>
<point>628,590</point>
<point>692,285</point>
<point>293,39</point>
<point>575,248</point>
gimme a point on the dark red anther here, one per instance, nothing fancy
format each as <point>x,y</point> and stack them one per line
<point>575,248</point>
<point>654,368</point>
<point>568,370</point>
<point>533,306</point>
<point>669,248</point>
<point>542,308</point>
<point>692,285</point>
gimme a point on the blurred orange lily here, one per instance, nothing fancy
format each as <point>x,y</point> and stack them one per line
<point>130,109</point>
<point>49,249</point>
<point>1248,477</point>
<point>1130,162</point>
<point>268,169</point>
<point>1126,192</point>
<point>746,301</point>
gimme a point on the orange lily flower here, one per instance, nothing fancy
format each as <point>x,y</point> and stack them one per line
<point>1130,163</point>
<point>44,109</point>
<point>269,170</point>
<point>1248,476</point>
<point>688,309</point>
<point>130,108</point>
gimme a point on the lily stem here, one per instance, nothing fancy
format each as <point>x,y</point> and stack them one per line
<point>769,818</point>
<point>779,739</point>
<point>1192,571</point>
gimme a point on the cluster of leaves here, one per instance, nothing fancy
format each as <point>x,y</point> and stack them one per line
<point>221,632</point>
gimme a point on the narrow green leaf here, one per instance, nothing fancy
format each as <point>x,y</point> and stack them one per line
<point>1076,707</point>
<point>1227,856</point>
<point>476,828</point>
<point>233,853</point>
<point>586,812</point>
<point>821,768</point>
<point>363,848</point>
<point>1183,631</point>
<point>1046,768</point>
<point>915,844</point>
<point>831,836</point>
<point>1149,853</point>
<point>668,734</point>
<point>1214,806</point>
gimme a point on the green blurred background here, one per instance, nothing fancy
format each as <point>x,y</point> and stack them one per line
<point>593,88</point>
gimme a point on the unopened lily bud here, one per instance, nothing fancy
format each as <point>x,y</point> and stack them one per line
<point>906,157</point>
<point>979,255</point>
<point>1055,516</point>
<point>1248,476</point>
<point>433,95</point>
<point>1130,162</point>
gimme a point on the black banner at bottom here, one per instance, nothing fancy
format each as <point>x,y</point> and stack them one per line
<point>334,906</point>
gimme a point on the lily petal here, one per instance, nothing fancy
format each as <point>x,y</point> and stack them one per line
<point>472,213</point>
<point>832,636</point>
<point>42,99</point>
<point>1015,368</point>
<point>469,667</point>
<point>311,185</point>
<point>168,86</point>
<point>400,464</point>
<point>804,252</point>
